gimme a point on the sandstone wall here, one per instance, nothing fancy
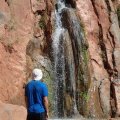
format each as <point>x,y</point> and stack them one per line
<point>101,26</point>
<point>23,26</point>
<point>16,28</point>
<point>25,40</point>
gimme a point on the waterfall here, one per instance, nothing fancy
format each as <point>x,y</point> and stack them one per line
<point>67,60</point>
<point>59,64</point>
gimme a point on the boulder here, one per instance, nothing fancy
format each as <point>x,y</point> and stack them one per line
<point>12,112</point>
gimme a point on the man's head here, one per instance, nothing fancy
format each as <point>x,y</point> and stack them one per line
<point>37,74</point>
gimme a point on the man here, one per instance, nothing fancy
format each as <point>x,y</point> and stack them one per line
<point>36,93</point>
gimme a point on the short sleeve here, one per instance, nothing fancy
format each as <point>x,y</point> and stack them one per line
<point>45,91</point>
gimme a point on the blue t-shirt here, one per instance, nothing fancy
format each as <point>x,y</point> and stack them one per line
<point>35,91</point>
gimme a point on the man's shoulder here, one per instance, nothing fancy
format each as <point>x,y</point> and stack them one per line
<point>29,82</point>
<point>43,84</point>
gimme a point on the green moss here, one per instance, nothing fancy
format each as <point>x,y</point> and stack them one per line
<point>11,25</point>
<point>48,80</point>
<point>82,27</point>
<point>85,96</point>
<point>85,54</point>
<point>118,14</point>
<point>42,22</point>
<point>85,44</point>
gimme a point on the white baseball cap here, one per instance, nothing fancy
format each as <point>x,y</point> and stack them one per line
<point>37,74</point>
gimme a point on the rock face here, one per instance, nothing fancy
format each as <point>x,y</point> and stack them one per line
<point>12,112</point>
<point>15,32</point>
<point>102,32</point>
<point>25,43</point>
<point>21,21</point>
<point>79,45</point>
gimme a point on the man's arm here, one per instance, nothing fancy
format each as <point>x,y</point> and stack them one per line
<point>26,102</point>
<point>46,106</point>
<point>26,99</point>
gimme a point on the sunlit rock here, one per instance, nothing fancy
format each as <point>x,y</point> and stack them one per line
<point>14,112</point>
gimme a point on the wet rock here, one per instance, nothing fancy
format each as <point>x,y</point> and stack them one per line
<point>69,76</point>
<point>72,24</point>
<point>72,3</point>
<point>16,30</point>
<point>101,30</point>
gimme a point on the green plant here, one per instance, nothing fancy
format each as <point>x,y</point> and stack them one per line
<point>11,25</point>
<point>82,27</point>
<point>42,22</point>
<point>85,96</point>
<point>85,53</point>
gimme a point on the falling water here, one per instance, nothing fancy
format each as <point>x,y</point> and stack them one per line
<point>59,64</point>
<point>66,55</point>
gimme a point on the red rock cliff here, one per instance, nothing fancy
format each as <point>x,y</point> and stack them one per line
<point>100,20</point>
<point>21,21</point>
<point>25,32</point>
